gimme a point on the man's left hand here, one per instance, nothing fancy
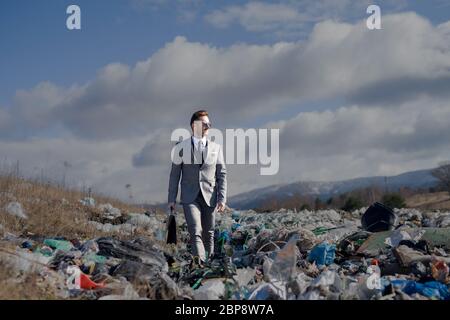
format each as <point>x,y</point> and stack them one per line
<point>220,207</point>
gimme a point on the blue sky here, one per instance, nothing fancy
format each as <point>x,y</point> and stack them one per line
<point>348,101</point>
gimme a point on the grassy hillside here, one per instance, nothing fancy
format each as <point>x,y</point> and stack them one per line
<point>436,200</point>
<point>52,212</point>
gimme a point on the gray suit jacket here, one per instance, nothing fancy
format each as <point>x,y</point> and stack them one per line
<point>207,176</point>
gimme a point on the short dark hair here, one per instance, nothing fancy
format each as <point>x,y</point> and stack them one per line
<point>197,115</point>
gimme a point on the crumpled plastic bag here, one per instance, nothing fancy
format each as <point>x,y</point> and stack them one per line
<point>399,235</point>
<point>322,254</point>
<point>211,290</point>
<point>283,267</point>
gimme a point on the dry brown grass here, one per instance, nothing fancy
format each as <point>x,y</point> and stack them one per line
<point>27,286</point>
<point>48,214</point>
<point>435,200</point>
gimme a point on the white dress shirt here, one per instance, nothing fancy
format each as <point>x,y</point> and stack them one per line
<point>199,144</point>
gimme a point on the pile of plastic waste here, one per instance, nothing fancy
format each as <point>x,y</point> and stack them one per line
<point>372,253</point>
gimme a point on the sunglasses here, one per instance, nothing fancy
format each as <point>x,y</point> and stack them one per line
<point>206,125</point>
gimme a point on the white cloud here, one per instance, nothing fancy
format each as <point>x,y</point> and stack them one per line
<point>247,80</point>
<point>241,82</point>
<point>419,126</point>
<point>156,150</point>
<point>360,141</point>
<point>384,81</point>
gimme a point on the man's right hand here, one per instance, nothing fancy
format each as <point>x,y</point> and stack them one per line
<point>171,207</point>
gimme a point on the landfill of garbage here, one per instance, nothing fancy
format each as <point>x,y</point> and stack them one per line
<point>372,253</point>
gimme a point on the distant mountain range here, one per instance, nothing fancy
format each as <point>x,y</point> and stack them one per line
<point>325,190</point>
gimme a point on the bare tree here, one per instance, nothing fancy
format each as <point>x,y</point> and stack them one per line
<point>442,173</point>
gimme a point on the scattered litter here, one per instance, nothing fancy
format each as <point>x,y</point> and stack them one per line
<point>88,201</point>
<point>307,255</point>
<point>141,220</point>
<point>15,209</point>
<point>400,235</point>
<point>109,212</point>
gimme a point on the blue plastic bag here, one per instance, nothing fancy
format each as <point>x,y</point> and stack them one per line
<point>322,254</point>
<point>430,289</point>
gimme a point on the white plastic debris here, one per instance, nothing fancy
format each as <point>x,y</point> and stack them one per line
<point>15,209</point>
<point>107,227</point>
<point>125,228</point>
<point>331,215</point>
<point>444,221</point>
<point>399,235</point>
<point>303,282</point>
<point>141,220</point>
<point>269,291</point>
<point>211,290</point>
<point>326,278</point>
<point>109,212</point>
<point>90,202</point>
<point>73,279</point>
<point>244,276</point>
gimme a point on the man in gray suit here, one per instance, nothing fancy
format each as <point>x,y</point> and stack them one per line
<point>201,165</point>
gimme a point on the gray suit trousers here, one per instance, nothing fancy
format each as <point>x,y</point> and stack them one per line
<point>200,220</point>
